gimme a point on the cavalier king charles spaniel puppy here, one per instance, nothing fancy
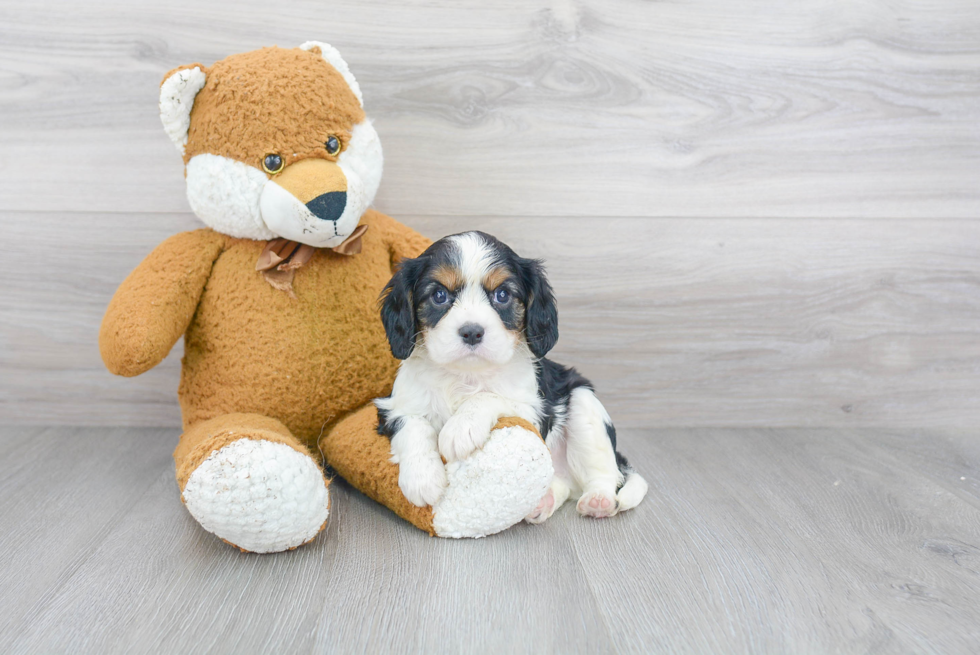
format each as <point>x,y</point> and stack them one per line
<point>472,323</point>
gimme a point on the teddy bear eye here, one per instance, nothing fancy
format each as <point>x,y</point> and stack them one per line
<point>333,145</point>
<point>272,164</point>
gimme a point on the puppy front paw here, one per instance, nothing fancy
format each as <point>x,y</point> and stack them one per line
<point>463,433</point>
<point>422,479</point>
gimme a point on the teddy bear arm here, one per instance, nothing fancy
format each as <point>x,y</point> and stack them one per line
<point>153,306</point>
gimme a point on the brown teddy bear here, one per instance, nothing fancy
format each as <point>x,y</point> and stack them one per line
<point>277,303</point>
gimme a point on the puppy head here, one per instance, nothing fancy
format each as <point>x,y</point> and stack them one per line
<point>471,302</point>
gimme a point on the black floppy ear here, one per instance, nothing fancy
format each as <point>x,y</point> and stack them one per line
<point>398,308</point>
<point>541,311</point>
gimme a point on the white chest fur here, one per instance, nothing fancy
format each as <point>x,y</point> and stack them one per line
<point>436,393</point>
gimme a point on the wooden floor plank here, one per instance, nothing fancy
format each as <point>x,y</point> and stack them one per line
<point>62,493</point>
<point>751,540</point>
<point>787,541</point>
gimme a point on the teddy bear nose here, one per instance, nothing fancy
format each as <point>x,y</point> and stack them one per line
<point>328,206</point>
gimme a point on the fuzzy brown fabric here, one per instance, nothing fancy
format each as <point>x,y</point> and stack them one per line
<point>361,456</point>
<point>234,117</point>
<point>516,421</point>
<point>280,258</point>
<point>154,305</point>
<point>250,348</point>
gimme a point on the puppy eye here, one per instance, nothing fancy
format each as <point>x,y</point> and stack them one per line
<point>501,296</point>
<point>440,297</point>
<point>272,164</point>
<point>333,145</point>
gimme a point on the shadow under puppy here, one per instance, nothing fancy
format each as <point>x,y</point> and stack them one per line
<point>472,322</point>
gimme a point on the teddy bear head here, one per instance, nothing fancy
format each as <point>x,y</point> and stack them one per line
<point>275,144</point>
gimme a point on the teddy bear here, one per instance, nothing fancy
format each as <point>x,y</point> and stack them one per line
<point>276,299</point>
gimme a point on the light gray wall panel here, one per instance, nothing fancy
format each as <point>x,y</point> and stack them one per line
<point>635,145</point>
<point>678,321</point>
<point>612,108</point>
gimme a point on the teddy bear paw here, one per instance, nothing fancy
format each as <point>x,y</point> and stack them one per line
<point>496,486</point>
<point>259,495</point>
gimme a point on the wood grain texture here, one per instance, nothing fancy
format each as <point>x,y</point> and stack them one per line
<point>678,322</point>
<point>751,540</point>
<point>541,108</point>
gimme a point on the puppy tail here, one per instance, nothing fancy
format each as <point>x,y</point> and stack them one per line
<point>632,491</point>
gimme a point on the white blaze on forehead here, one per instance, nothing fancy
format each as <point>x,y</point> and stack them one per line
<point>476,257</point>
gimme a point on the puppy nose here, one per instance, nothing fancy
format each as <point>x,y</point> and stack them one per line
<point>471,334</point>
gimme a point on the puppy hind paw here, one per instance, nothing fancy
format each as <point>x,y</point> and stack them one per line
<point>544,510</point>
<point>597,505</point>
<point>422,480</point>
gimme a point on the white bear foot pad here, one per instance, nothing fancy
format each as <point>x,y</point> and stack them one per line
<point>260,496</point>
<point>495,487</point>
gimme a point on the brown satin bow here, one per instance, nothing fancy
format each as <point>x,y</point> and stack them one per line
<point>281,257</point>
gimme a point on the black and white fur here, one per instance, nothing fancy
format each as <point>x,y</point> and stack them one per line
<point>472,322</point>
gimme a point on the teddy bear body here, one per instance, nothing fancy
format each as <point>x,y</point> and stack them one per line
<point>305,360</point>
<point>277,299</point>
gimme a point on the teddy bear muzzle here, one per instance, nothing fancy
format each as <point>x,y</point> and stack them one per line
<point>307,202</point>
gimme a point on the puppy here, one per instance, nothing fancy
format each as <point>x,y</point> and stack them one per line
<point>472,322</point>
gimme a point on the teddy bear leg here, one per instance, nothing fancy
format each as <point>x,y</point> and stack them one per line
<point>363,457</point>
<point>248,480</point>
<point>488,491</point>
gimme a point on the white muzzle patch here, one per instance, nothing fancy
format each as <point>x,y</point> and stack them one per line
<point>242,201</point>
<point>289,218</point>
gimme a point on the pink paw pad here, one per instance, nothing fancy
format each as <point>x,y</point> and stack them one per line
<point>597,505</point>
<point>544,509</point>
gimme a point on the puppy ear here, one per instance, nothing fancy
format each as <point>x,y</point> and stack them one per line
<point>177,92</point>
<point>398,308</point>
<point>541,312</point>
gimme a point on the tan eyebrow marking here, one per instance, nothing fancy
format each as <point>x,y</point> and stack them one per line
<point>495,277</point>
<point>448,277</point>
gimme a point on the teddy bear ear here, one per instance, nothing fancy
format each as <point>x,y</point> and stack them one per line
<point>332,57</point>
<point>177,92</point>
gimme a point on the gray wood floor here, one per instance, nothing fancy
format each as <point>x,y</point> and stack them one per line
<point>751,540</point>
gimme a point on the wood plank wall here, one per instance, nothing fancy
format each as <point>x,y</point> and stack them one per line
<point>755,213</point>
